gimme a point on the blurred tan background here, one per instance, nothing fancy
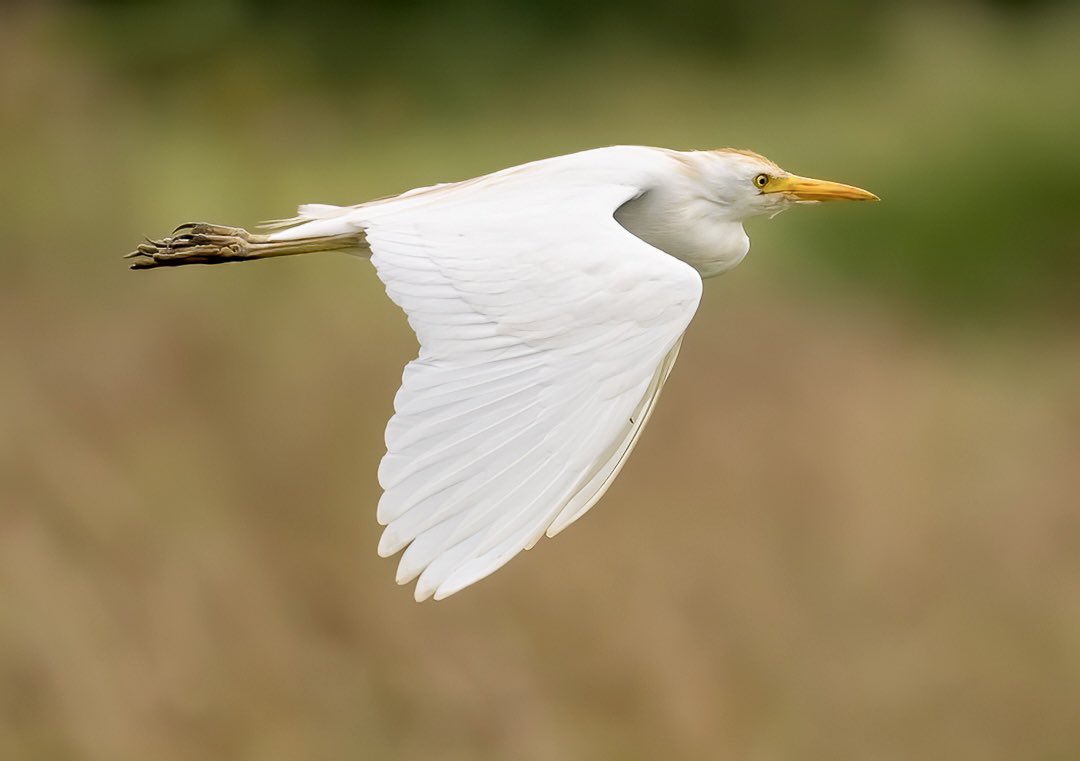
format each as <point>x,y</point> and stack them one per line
<point>852,530</point>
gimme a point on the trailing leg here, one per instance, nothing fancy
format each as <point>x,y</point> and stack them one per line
<point>200,243</point>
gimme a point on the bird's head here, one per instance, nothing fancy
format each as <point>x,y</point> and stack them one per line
<point>747,185</point>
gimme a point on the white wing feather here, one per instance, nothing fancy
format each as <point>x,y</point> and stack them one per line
<point>546,331</point>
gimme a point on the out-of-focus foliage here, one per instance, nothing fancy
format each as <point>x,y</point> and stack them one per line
<point>850,531</point>
<point>961,117</point>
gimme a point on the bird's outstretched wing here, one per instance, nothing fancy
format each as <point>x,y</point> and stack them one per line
<point>546,331</point>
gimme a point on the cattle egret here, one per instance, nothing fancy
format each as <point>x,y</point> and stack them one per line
<point>549,301</point>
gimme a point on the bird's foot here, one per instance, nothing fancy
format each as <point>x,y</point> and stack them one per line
<point>197,243</point>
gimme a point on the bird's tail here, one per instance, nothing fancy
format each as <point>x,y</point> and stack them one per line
<point>200,243</point>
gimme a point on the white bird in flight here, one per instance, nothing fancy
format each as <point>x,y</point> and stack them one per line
<point>549,301</point>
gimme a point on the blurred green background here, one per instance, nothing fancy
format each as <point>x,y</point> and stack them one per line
<point>852,530</point>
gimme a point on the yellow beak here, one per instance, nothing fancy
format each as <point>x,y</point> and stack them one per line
<point>807,189</point>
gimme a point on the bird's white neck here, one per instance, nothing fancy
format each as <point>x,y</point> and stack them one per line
<point>679,221</point>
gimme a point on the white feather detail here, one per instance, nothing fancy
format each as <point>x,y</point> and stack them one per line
<point>546,331</point>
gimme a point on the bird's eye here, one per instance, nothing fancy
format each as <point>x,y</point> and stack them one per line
<point>761,180</point>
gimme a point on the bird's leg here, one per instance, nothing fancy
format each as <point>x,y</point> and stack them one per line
<point>215,244</point>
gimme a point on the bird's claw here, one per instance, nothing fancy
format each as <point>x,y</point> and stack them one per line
<point>202,243</point>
